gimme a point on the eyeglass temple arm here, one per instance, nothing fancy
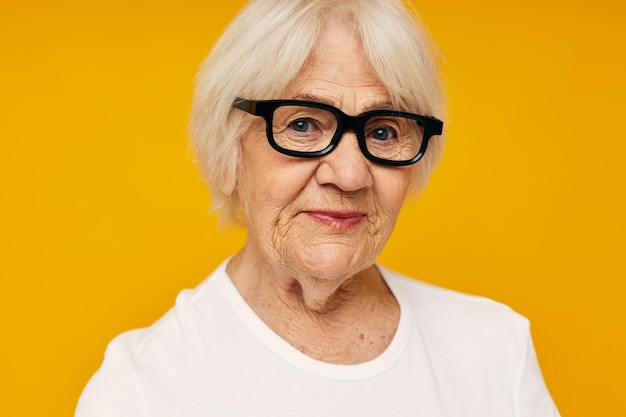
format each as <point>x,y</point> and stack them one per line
<point>248,106</point>
<point>437,125</point>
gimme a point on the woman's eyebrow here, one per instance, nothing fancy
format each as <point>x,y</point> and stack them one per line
<point>381,105</point>
<point>384,105</point>
<point>313,97</point>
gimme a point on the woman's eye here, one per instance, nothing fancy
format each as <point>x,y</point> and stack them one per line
<point>301,125</point>
<point>382,133</point>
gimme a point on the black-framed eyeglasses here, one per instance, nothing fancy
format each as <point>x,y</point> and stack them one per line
<point>307,129</point>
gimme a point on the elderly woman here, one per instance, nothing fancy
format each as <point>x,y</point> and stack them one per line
<point>313,120</point>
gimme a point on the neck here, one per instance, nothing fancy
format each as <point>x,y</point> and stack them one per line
<point>259,282</point>
<point>345,320</point>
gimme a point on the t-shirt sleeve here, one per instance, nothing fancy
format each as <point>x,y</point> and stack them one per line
<point>111,391</point>
<point>533,398</point>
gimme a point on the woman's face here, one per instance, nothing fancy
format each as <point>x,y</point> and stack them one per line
<point>327,217</point>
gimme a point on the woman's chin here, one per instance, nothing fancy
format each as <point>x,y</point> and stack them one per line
<point>328,262</point>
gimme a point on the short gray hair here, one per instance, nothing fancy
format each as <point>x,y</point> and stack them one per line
<point>263,50</point>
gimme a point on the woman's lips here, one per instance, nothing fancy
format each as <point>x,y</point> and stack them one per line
<point>341,220</point>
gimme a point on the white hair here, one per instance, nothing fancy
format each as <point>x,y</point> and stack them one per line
<point>263,50</point>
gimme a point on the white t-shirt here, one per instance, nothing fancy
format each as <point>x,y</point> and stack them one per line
<point>452,355</point>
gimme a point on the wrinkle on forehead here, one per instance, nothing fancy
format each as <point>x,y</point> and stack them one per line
<point>338,73</point>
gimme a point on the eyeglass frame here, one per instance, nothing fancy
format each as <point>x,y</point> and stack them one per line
<point>266,108</point>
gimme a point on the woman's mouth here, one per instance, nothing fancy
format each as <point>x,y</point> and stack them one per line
<point>340,220</point>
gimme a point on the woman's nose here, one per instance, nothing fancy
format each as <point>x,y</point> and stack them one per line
<point>345,167</point>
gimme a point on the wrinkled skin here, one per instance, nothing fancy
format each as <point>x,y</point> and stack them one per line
<point>316,226</point>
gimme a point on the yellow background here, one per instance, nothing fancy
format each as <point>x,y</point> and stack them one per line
<point>104,217</point>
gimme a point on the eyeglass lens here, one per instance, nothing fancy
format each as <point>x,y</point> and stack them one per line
<point>309,129</point>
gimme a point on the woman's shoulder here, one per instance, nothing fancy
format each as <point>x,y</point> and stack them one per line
<point>437,296</point>
<point>448,312</point>
<point>177,340</point>
<point>187,319</point>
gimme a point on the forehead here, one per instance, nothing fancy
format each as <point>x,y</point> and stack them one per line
<point>338,72</point>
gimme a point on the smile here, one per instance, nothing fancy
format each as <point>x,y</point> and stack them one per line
<point>340,220</point>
